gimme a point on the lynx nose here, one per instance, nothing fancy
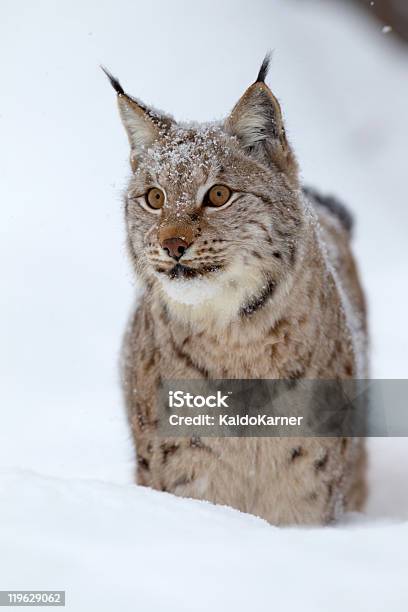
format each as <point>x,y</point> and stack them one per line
<point>175,247</point>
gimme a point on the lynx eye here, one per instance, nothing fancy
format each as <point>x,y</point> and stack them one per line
<point>155,198</point>
<point>218,195</point>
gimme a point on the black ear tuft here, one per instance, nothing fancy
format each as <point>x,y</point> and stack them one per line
<point>263,71</point>
<point>114,82</point>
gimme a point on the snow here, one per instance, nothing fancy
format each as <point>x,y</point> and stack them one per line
<point>121,547</point>
<point>70,517</point>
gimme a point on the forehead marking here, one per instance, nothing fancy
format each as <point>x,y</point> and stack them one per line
<point>185,161</point>
<point>185,153</point>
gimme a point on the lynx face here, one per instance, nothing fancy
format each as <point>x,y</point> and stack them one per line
<point>212,211</point>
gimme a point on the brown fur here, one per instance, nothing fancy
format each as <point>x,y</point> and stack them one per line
<point>269,289</point>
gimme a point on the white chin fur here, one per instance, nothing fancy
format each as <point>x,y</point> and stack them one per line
<point>190,291</point>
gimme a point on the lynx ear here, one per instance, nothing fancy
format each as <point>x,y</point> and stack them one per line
<point>256,120</point>
<point>141,124</point>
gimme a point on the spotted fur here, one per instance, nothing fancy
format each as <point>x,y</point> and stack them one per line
<point>267,288</point>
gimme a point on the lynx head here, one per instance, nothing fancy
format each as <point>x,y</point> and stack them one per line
<point>212,211</point>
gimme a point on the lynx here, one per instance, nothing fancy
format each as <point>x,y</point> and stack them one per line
<point>246,274</point>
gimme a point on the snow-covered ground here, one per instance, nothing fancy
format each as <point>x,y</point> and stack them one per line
<point>70,517</point>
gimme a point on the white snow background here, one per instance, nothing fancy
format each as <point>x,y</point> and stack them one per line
<point>70,517</point>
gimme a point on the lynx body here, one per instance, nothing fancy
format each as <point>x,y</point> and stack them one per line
<point>245,275</point>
